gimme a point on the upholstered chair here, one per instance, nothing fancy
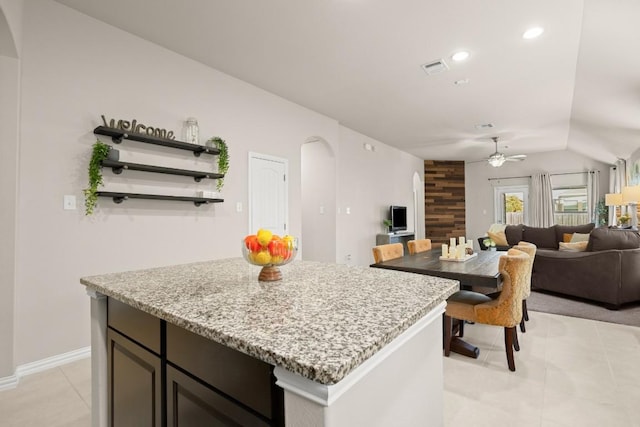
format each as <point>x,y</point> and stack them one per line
<point>420,245</point>
<point>505,310</point>
<point>387,252</point>
<point>530,249</point>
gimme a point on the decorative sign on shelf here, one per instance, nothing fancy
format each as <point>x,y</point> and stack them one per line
<point>135,127</point>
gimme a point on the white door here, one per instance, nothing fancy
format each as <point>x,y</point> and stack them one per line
<point>268,207</point>
<point>511,204</point>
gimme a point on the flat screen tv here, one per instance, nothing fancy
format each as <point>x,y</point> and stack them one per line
<point>398,217</point>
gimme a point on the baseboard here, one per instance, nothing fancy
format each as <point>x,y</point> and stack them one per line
<point>42,365</point>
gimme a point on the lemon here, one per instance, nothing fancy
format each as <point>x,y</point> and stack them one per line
<point>264,237</point>
<point>262,258</point>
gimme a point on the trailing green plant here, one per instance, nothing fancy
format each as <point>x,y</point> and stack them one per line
<point>99,153</point>
<point>223,159</point>
<point>602,212</point>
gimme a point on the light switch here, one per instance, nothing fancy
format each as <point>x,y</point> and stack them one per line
<point>239,207</point>
<point>321,210</point>
<point>69,202</point>
<point>348,211</point>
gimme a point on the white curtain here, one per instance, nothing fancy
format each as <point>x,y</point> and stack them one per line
<point>593,195</point>
<point>617,180</point>
<point>542,200</point>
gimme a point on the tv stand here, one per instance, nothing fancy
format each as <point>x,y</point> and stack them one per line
<point>397,237</point>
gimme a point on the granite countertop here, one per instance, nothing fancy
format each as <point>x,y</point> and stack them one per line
<point>320,321</point>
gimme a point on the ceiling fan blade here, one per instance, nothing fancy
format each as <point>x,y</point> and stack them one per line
<point>518,156</point>
<point>514,159</point>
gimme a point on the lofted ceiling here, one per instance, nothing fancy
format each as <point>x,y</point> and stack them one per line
<point>577,86</point>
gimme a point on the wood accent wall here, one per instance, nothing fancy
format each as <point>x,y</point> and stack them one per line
<point>444,202</point>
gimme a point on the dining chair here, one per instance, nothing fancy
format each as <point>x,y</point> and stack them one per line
<point>387,252</point>
<point>505,310</point>
<point>530,249</point>
<point>417,246</point>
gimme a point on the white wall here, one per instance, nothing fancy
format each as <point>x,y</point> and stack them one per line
<point>479,190</point>
<point>368,183</point>
<point>74,69</point>
<point>9,80</point>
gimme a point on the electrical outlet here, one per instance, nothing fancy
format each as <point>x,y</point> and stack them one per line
<point>69,203</point>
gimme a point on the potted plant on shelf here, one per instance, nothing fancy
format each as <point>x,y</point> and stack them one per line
<point>387,225</point>
<point>99,153</point>
<point>223,158</point>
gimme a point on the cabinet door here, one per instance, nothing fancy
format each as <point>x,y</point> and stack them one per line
<point>191,404</point>
<point>135,384</point>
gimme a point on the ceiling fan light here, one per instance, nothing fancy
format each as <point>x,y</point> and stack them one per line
<point>496,160</point>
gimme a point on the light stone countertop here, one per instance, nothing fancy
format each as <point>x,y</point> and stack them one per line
<point>320,321</point>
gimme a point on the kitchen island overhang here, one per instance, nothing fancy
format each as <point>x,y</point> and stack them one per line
<point>321,326</point>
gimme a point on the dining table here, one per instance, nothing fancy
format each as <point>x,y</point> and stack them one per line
<point>478,271</point>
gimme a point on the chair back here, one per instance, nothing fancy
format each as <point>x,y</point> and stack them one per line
<point>530,249</point>
<point>387,252</point>
<point>420,245</point>
<point>506,310</point>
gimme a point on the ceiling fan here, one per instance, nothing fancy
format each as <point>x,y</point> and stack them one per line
<point>497,159</point>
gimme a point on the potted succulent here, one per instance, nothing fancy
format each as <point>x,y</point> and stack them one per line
<point>99,153</point>
<point>624,220</point>
<point>489,244</point>
<point>223,158</point>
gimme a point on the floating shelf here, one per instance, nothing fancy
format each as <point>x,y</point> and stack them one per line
<point>117,135</point>
<point>120,197</point>
<point>118,166</point>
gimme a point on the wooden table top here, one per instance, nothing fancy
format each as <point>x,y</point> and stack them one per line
<point>479,271</point>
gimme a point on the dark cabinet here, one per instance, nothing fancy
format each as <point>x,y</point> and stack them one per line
<point>135,384</point>
<point>192,404</point>
<point>161,374</point>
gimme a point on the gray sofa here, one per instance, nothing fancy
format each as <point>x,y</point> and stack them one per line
<point>607,272</point>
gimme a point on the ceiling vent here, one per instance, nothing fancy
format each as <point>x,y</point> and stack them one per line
<point>485,126</point>
<point>435,67</point>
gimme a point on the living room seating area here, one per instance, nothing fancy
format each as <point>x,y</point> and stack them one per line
<point>604,267</point>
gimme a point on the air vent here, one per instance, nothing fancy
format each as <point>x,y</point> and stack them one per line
<point>435,67</point>
<point>485,126</point>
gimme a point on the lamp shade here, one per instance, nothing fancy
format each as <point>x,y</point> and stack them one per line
<point>631,194</point>
<point>613,199</point>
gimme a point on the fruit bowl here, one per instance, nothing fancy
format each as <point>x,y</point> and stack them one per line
<point>269,251</point>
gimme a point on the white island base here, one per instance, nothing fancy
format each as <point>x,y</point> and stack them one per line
<point>401,385</point>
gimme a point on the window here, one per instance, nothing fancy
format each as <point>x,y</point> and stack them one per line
<point>570,205</point>
<point>511,204</point>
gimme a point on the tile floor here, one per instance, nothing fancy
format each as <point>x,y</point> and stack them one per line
<point>569,372</point>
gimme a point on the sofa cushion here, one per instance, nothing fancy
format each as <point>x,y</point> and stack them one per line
<point>573,246</point>
<point>513,233</point>
<point>580,237</point>
<point>498,237</point>
<point>561,230</point>
<point>542,237</point>
<point>604,238</point>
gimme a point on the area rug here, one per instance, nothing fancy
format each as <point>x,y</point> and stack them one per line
<point>551,303</point>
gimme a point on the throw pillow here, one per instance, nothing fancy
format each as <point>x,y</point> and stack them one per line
<point>566,237</point>
<point>580,237</point>
<point>498,237</point>
<point>573,246</point>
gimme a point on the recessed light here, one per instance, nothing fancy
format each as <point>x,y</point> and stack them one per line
<point>461,82</point>
<point>532,33</point>
<point>460,56</point>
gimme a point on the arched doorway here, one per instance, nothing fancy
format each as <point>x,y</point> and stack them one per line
<point>318,172</point>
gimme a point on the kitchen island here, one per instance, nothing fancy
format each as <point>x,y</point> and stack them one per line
<point>348,345</point>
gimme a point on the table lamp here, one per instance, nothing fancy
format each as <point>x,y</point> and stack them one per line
<point>615,200</point>
<point>631,196</point>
